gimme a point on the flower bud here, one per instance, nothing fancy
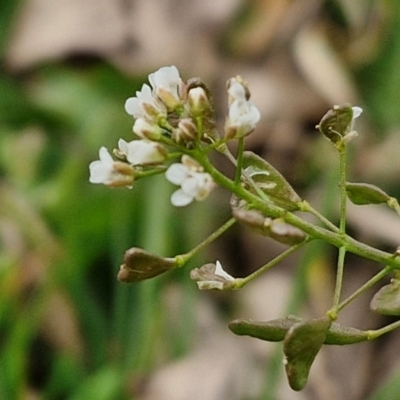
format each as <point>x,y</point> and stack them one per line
<point>147,130</point>
<point>198,101</point>
<point>185,132</point>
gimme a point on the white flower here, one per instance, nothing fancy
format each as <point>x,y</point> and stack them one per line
<point>242,118</point>
<point>194,183</point>
<point>167,86</point>
<point>145,104</point>
<point>212,276</point>
<point>243,115</point>
<point>110,172</point>
<point>142,152</point>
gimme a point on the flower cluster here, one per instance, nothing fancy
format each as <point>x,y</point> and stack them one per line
<point>174,118</point>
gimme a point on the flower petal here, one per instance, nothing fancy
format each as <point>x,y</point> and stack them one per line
<point>166,84</point>
<point>98,172</point>
<point>105,156</point>
<point>132,107</point>
<point>123,146</point>
<point>180,199</point>
<point>220,272</point>
<point>191,186</point>
<point>177,173</point>
<point>237,91</point>
<point>357,112</point>
<point>166,77</point>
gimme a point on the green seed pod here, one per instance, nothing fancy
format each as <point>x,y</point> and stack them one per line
<point>270,181</point>
<point>285,233</point>
<point>342,335</point>
<point>271,331</point>
<point>140,265</point>
<point>335,124</point>
<point>387,300</point>
<point>275,330</point>
<point>365,193</point>
<point>301,345</point>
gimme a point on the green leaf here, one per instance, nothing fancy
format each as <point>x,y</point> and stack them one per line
<point>365,193</point>
<point>270,181</point>
<point>140,265</point>
<point>301,345</point>
<point>387,300</point>
<point>336,122</point>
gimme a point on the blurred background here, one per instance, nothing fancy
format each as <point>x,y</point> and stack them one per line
<point>68,329</point>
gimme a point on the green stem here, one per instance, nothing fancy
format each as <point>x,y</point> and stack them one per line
<point>306,207</point>
<point>394,204</point>
<point>184,258</point>
<point>154,171</point>
<point>200,127</point>
<point>376,278</point>
<point>249,180</point>
<point>342,229</point>
<point>379,332</point>
<point>343,193</point>
<point>240,282</point>
<point>332,313</point>
<point>239,161</point>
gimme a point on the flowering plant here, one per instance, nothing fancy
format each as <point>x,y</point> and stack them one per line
<point>175,120</point>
